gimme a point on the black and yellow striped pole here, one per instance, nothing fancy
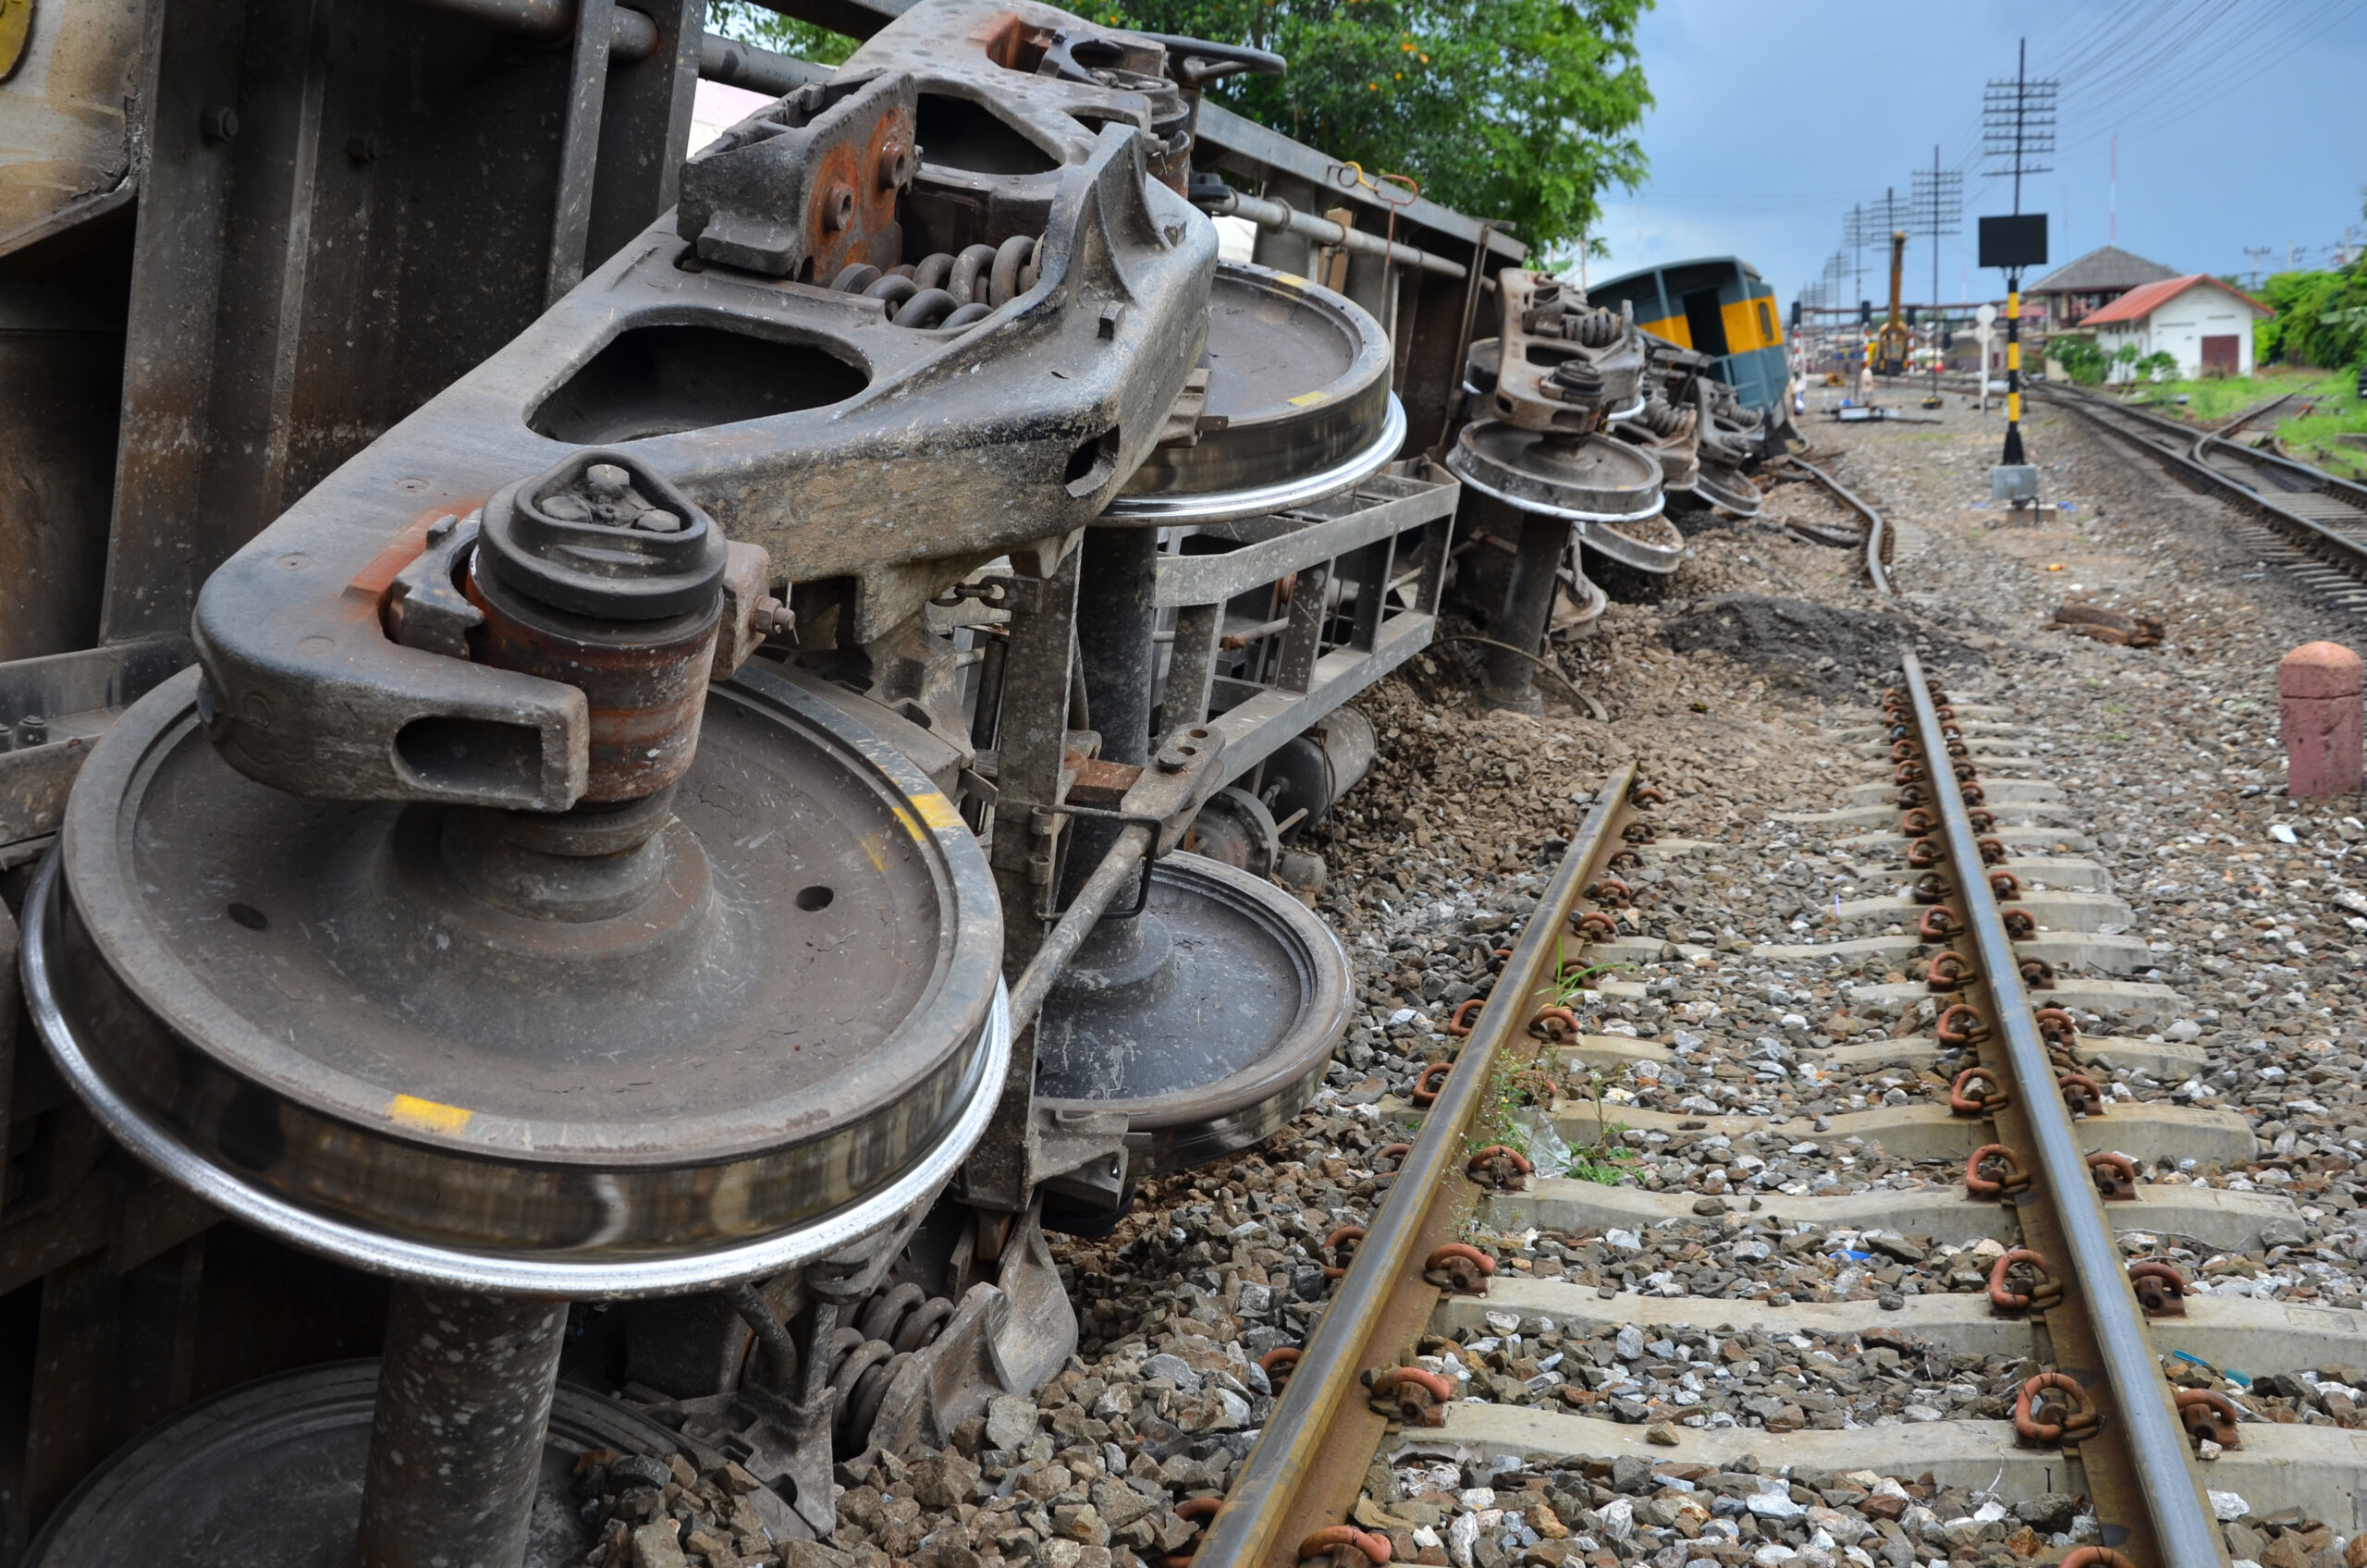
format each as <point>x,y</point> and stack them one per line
<point>2014,369</point>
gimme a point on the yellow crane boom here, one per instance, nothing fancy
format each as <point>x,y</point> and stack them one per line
<point>1890,341</point>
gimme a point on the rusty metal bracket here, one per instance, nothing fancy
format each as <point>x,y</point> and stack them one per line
<point>1157,824</point>
<point>307,693</point>
<point>809,187</point>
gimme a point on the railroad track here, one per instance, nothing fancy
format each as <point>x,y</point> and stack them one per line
<point>1471,1360</point>
<point>1876,546</point>
<point>2227,427</point>
<point>2316,523</point>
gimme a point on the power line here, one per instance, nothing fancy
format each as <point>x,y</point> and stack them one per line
<point>2259,50</point>
<point>2018,123</point>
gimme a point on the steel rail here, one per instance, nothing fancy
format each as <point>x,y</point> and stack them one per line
<point>2147,1425</point>
<point>2351,553</point>
<point>1248,1531</point>
<point>2229,427</point>
<point>2199,440</point>
<point>1876,529</point>
<point>2313,480</point>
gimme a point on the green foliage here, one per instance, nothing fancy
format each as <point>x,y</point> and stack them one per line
<point>1569,984</point>
<point>2159,365</point>
<point>2320,317</point>
<point>2081,359</point>
<point>1603,1165</point>
<point>1492,1123</point>
<point>750,23</point>
<point>1522,111</point>
<point>2319,438</point>
<point>2210,400</point>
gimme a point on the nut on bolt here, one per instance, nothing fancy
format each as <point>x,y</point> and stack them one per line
<point>2082,1096</point>
<point>1993,1170</point>
<point>1977,1091</point>
<point>2116,1178</point>
<point>1416,1397</point>
<point>2021,1279</point>
<point>1960,1026</point>
<point>2050,1407</point>
<point>1461,1268</point>
<point>1500,1166</point>
<point>2209,1416</point>
<point>2160,1288</point>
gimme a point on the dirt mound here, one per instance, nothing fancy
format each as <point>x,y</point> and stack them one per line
<point>1805,646</point>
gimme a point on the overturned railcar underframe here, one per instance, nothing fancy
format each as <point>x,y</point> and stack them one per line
<point>242,241</point>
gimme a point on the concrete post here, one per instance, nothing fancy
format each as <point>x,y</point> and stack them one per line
<point>2319,720</point>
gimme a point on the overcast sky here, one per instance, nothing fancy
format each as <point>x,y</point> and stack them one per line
<point>2242,123</point>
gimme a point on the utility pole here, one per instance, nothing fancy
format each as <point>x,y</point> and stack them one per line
<point>2256,253</point>
<point>1856,236</point>
<point>1938,206</point>
<point>1836,273</point>
<point>2017,124</point>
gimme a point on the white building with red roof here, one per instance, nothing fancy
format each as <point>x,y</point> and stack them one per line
<point>2202,323</point>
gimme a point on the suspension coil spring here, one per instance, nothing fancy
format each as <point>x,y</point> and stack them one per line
<point>947,288</point>
<point>878,1338</point>
<point>1661,416</point>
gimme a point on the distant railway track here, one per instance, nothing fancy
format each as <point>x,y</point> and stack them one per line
<point>2318,521</point>
<point>2227,427</point>
<point>2076,1288</point>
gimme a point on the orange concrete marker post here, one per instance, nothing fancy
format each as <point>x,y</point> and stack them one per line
<point>2319,720</point>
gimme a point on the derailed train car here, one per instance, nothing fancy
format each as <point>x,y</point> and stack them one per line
<point>1720,308</point>
<point>600,744</point>
<point>1602,419</point>
<point>604,748</point>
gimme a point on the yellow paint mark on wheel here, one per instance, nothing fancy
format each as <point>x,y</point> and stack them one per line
<point>874,845</point>
<point>15,31</point>
<point>427,1116</point>
<point>1308,399</point>
<point>935,810</point>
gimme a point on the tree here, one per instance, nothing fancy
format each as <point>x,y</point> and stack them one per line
<point>2320,317</point>
<point>2159,365</point>
<point>1523,111</point>
<point>750,23</point>
<point>2081,359</point>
